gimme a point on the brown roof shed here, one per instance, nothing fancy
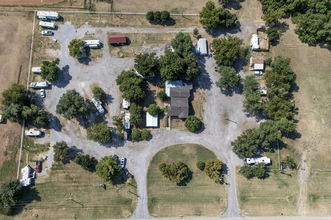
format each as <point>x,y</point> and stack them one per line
<point>116,39</point>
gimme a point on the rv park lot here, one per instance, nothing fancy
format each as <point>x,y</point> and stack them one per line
<point>222,114</point>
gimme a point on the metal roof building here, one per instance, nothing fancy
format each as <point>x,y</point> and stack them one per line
<point>202,46</point>
<point>151,121</point>
<point>117,39</point>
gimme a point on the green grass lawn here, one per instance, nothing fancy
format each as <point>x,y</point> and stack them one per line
<point>200,197</point>
<point>69,192</point>
<point>8,169</point>
<point>268,197</point>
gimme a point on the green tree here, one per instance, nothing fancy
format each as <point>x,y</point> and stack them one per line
<point>157,17</point>
<point>252,102</point>
<point>135,135</point>
<point>227,50</point>
<point>61,150</point>
<point>13,112</point>
<point>246,171</point>
<point>290,163</point>
<point>75,47</point>
<point>229,78</point>
<point>118,122</point>
<point>135,114</point>
<point>10,193</point>
<point>213,169</point>
<point>98,93</point>
<point>145,134</point>
<point>99,133</point>
<point>165,16</point>
<point>211,17</point>
<point>176,172</point>
<point>146,64</point>
<point>16,94</point>
<point>49,70</point>
<point>273,34</point>
<point>246,144</point>
<point>72,104</point>
<point>107,168</point>
<point>268,133</point>
<point>201,165</point>
<point>182,45</point>
<point>192,68</point>
<point>150,16</point>
<point>85,161</point>
<point>171,66</point>
<point>260,171</point>
<point>35,115</point>
<point>192,123</point>
<point>195,32</point>
<point>131,86</point>
<point>153,109</point>
<point>268,61</point>
<point>162,95</point>
<point>285,125</point>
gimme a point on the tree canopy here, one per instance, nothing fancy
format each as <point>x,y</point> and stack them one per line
<point>61,150</point>
<point>85,161</point>
<point>176,172</point>
<point>75,47</point>
<point>252,102</point>
<point>99,133</point>
<point>211,17</point>
<point>49,70</point>
<point>99,93</point>
<point>153,109</point>
<point>213,169</point>
<point>182,45</point>
<point>158,16</point>
<point>10,193</point>
<point>145,134</point>
<point>135,114</point>
<point>171,66</point>
<point>107,168</point>
<point>193,123</point>
<point>131,86</point>
<point>146,64</point>
<point>259,171</point>
<point>246,144</point>
<point>135,135</point>
<point>227,50</point>
<point>72,104</point>
<point>35,115</point>
<point>16,94</point>
<point>229,77</point>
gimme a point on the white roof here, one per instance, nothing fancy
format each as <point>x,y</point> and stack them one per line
<point>265,160</point>
<point>39,84</point>
<point>98,105</point>
<point>255,42</point>
<point>258,66</point>
<point>151,121</point>
<point>92,42</point>
<point>48,14</point>
<point>171,84</point>
<point>126,103</point>
<point>26,172</point>
<point>202,46</point>
<point>46,24</point>
<point>32,132</point>
<point>127,121</point>
<point>36,69</point>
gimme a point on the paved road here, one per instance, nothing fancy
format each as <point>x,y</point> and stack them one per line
<point>223,117</point>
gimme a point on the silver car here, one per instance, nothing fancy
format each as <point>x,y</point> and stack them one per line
<point>122,162</point>
<point>42,93</point>
<point>47,33</point>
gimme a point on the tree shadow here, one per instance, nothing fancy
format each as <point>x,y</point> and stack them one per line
<point>54,122</point>
<point>85,61</point>
<point>231,90</point>
<point>187,180</point>
<point>221,30</point>
<point>120,178</point>
<point>169,22</point>
<point>203,81</point>
<point>108,100</point>
<point>64,77</point>
<point>233,4</point>
<point>29,195</point>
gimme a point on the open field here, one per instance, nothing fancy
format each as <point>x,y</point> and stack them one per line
<point>47,3</point>
<point>269,197</point>
<point>201,197</point>
<point>71,192</point>
<point>15,39</point>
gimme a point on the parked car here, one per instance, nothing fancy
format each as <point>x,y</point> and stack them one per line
<point>38,167</point>
<point>114,157</point>
<point>216,69</point>
<point>261,27</point>
<point>122,162</point>
<point>258,73</point>
<point>42,93</point>
<point>47,33</point>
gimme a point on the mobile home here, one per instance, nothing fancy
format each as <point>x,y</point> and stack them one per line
<point>95,44</point>
<point>46,24</point>
<point>38,85</point>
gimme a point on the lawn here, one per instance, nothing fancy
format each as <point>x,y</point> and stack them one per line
<point>70,192</point>
<point>200,197</point>
<point>268,197</point>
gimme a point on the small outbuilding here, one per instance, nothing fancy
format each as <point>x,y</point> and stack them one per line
<point>36,70</point>
<point>151,121</point>
<point>117,39</point>
<point>202,47</point>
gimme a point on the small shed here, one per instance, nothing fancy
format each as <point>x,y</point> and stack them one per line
<point>171,84</point>
<point>202,47</point>
<point>126,104</point>
<point>151,121</point>
<point>117,39</point>
<point>255,42</point>
<point>127,121</point>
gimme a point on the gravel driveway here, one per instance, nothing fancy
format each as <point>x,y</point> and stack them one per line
<point>223,117</point>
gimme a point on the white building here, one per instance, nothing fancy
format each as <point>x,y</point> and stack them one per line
<point>258,67</point>
<point>46,24</point>
<point>98,105</point>
<point>202,47</point>
<point>48,15</point>
<point>151,121</point>
<point>127,121</point>
<point>32,132</point>
<point>171,84</point>
<point>92,43</point>
<point>126,104</point>
<point>255,42</point>
<point>27,176</point>
<point>255,161</point>
<point>36,70</point>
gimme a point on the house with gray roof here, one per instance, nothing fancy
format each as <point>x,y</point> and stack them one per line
<point>179,101</point>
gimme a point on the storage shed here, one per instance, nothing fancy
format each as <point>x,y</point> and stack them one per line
<point>202,47</point>
<point>117,39</point>
<point>151,121</point>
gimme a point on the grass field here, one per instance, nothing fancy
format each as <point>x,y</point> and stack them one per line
<point>70,192</point>
<point>269,197</point>
<point>201,197</point>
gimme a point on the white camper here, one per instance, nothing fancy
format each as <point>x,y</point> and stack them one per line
<point>46,24</point>
<point>36,70</point>
<point>127,121</point>
<point>48,15</point>
<point>203,47</point>
<point>33,132</point>
<point>94,44</point>
<point>98,105</point>
<point>126,104</point>
<point>38,85</point>
<point>255,161</point>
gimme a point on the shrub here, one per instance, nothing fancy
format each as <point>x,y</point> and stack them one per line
<point>153,109</point>
<point>268,61</point>
<point>150,16</point>
<point>98,93</point>
<point>135,135</point>
<point>145,134</point>
<point>192,123</point>
<point>162,166</point>
<point>162,95</point>
<point>85,161</point>
<point>213,169</point>
<point>201,165</point>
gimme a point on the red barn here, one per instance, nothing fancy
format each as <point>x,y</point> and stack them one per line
<point>117,39</point>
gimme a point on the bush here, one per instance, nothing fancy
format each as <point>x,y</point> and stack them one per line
<point>150,16</point>
<point>201,165</point>
<point>268,61</point>
<point>162,166</point>
<point>290,163</point>
<point>85,161</point>
<point>145,134</point>
<point>75,47</point>
<point>99,133</point>
<point>135,135</point>
<point>153,109</point>
<point>162,95</point>
<point>176,172</point>
<point>213,169</point>
<point>192,123</point>
<point>98,93</point>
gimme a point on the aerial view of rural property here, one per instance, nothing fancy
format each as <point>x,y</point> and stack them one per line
<point>165,109</point>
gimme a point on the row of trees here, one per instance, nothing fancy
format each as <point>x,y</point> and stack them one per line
<point>16,107</point>
<point>158,16</point>
<point>10,193</point>
<point>259,171</point>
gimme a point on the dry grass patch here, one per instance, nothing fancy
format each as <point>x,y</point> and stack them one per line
<point>200,197</point>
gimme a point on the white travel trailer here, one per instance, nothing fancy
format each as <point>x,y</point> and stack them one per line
<point>36,70</point>
<point>48,15</point>
<point>33,132</point>
<point>94,44</point>
<point>38,85</point>
<point>98,105</point>
<point>46,24</point>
